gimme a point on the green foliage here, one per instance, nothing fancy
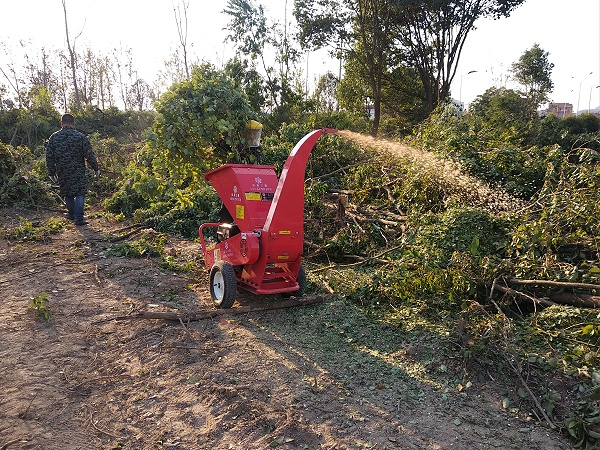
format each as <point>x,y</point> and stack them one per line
<point>33,231</point>
<point>21,177</point>
<point>534,71</point>
<point>30,124</point>
<point>490,144</point>
<point>178,211</point>
<point>247,78</point>
<point>137,249</point>
<point>39,305</point>
<point>170,263</point>
<point>353,240</point>
<point>448,257</point>
<point>582,425</point>
<point>559,238</point>
<point>501,115</point>
<point>570,133</point>
<point>164,188</point>
<point>183,214</point>
<point>112,122</point>
<point>462,230</point>
<point>559,341</point>
<point>194,116</point>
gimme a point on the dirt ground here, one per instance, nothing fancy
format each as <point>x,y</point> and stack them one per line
<point>316,377</point>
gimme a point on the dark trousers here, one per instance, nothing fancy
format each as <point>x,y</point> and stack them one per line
<point>75,206</point>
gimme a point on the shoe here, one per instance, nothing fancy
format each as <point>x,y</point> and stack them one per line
<point>69,216</point>
<point>80,222</point>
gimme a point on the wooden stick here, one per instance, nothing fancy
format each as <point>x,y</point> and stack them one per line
<point>100,430</point>
<point>535,300</point>
<point>168,315</point>
<point>9,443</point>
<point>563,284</point>
<point>588,301</point>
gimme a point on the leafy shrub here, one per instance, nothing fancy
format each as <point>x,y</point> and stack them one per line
<point>470,230</point>
<point>182,214</point>
<point>21,178</point>
<point>570,132</point>
<point>195,115</point>
<point>34,231</point>
<point>113,123</point>
<point>558,236</point>
<point>136,249</point>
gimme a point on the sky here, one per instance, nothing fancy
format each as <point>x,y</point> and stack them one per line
<point>567,30</point>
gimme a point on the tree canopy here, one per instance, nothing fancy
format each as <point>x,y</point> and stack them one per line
<point>533,70</point>
<point>193,116</point>
<point>386,34</point>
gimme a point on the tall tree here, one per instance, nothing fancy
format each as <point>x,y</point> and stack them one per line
<point>326,93</point>
<point>366,25</point>
<point>139,94</point>
<point>431,35</point>
<point>534,70</point>
<point>255,37</point>
<point>72,55</point>
<point>172,71</point>
<point>182,31</point>
<point>374,21</point>
<point>425,35</point>
<point>246,78</point>
<point>248,29</point>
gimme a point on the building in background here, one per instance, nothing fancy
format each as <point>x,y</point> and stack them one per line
<point>560,110</point>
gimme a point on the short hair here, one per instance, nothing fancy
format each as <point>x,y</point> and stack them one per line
<point>68,118</point>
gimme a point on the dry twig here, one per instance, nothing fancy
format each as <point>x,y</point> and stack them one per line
<point>99,429</point>
<point>191,317</point>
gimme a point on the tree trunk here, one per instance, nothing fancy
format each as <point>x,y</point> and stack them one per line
<point>183,33</point>
<point>73,57</point>
<point>376,116</point>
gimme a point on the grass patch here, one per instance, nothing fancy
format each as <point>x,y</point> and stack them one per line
<point>139,248</point>
<point>39,306</point>
<point>28,230</point>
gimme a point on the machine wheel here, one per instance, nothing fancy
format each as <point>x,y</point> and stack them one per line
<point>301,284</point>
<point>223,285</point>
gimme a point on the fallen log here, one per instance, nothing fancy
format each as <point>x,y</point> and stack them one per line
<point>548,283</point>
<point>513,293</point>
<point>192,317</point>
<point>566,298</point>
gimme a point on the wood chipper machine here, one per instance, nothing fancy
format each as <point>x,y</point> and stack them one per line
<point>261,234</point>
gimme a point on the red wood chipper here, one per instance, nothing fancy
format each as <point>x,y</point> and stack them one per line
<point>259,244</point>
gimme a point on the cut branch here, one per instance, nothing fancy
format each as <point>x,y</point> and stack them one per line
<point>561,284</point>
<point>565,298</point>
<point>513,293</point>
<point>190,317</point>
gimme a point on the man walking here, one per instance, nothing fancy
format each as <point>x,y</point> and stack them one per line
<point>66,153</point>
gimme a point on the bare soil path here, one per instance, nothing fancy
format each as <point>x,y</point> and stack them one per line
<point>319,377</point>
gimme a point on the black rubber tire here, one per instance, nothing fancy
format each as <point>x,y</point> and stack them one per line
<point>301,280</point>
<point>223,285</point>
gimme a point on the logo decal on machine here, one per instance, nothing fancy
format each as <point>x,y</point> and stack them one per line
<point>235,195</point>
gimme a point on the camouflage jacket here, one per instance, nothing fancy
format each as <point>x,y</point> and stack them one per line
<point>66,153</point>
